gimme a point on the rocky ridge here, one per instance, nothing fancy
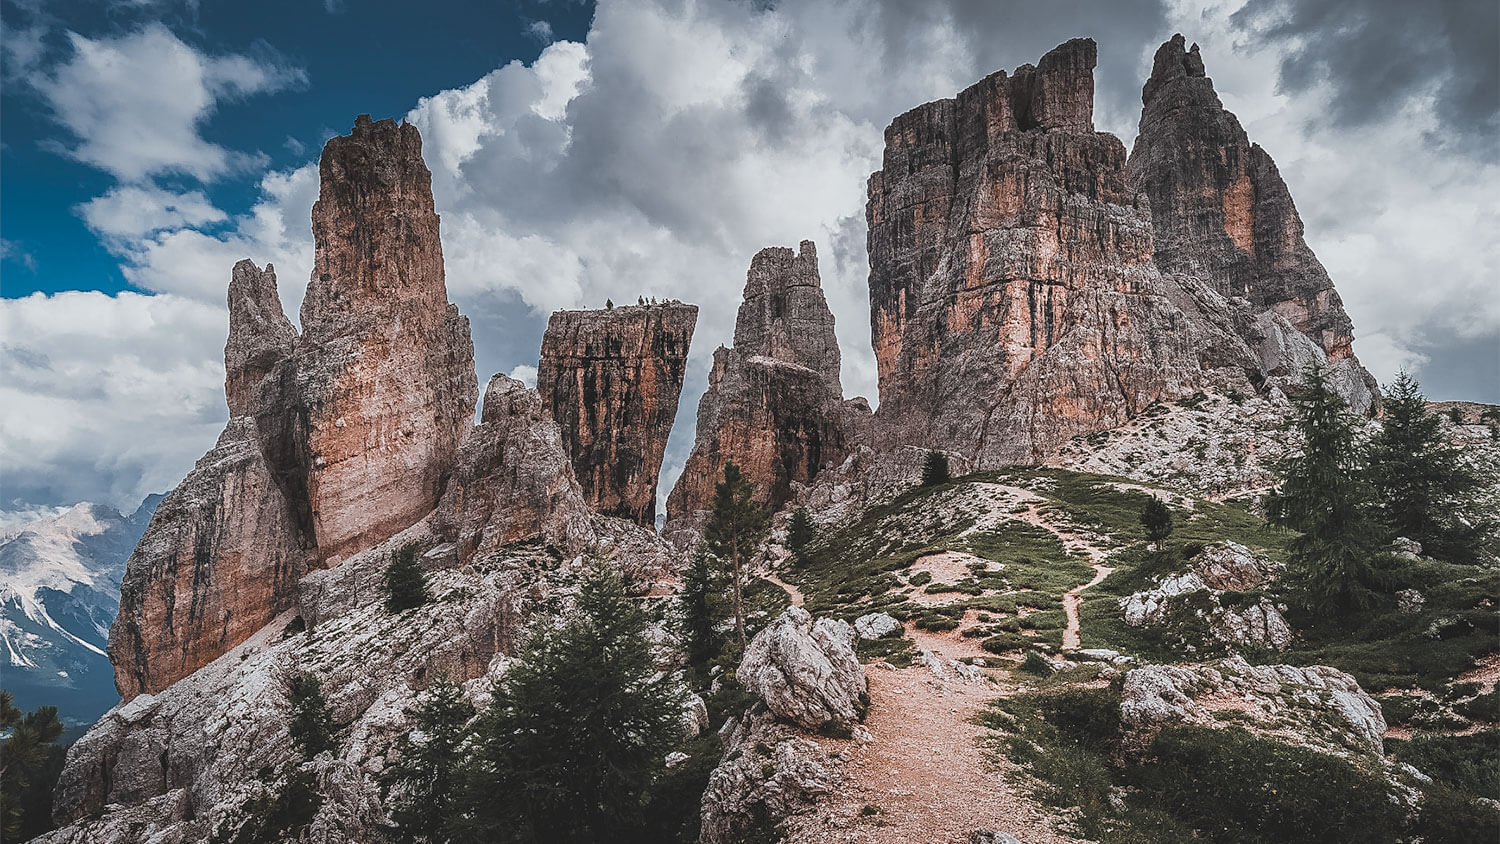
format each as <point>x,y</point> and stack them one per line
<point>774,403</point>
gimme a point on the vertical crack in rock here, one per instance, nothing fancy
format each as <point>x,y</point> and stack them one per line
<point>774,403</point>
<point>612,379</point>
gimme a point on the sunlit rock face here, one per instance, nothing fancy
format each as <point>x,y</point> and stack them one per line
<point>1014,302</point>
<point>612,379</point>
<point>1222,214</point>
<point>385,365</point>
<point>774,403</point>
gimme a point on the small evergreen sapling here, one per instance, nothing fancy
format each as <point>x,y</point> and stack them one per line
<point>799,531</point>
<point>935,469</point>
<point>405,582</point>
<point>311,726</point>
<point>1156,518</point>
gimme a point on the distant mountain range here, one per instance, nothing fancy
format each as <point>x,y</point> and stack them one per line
<point>59,593</point>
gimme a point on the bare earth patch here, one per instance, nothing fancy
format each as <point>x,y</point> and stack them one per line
<point>924,773</point>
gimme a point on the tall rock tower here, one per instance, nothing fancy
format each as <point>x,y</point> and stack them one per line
<point>1014,302</point>
<point>1222,213</point>
<point>774,403</point>
<point>612,379</point>
<point>386,366</point>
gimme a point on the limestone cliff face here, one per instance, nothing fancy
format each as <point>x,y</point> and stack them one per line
<point>612,379</point>
<point>512,479</point>
<point>774,404</point>
<point>339,438</point>
<point>1013,296</point>
<point>385,365</point>
<point>220,559</point>
<point>1223,214</point>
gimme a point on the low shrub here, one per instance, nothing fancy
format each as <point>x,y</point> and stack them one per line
<point>1035,663</point>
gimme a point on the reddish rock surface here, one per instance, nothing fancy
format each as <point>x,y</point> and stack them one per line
<point>512,479</point>
<point>612,379</point>
<point>339,438</point>
<point>1222,213</point>
<point>774,404</point>
<point>1014,300</point>
<point>385,366</point>
<point>220,559</point>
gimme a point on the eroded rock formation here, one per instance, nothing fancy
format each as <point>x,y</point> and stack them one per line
<point>1223,214</point>
<point>512,479</point>
<point>774,403</point>
<point>1014,301</point>
<point>612,379</point>
<point>339,438</point>
<point>385,366</point>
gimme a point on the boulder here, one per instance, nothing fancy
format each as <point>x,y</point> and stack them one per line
<point>768,772</point>
<point>876,625</point>
<point>806,671</point>
<point>1323,706</point>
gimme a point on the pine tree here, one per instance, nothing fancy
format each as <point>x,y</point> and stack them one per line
<point>1325,495</point>
<point>405,582</point>
<point>577,731</point>
<point>424,802</point>
<point>1424,489</point>
<point>935,469</point>
<point>1156,518</point>
<point>734,531</point>
<point>311,725</point>
<point>30,762</point>
<point>700,603</point>
<point>799,531</point>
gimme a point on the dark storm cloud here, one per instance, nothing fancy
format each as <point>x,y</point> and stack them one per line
<point>1380,55</point>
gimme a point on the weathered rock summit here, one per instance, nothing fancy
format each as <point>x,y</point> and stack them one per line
<point>340,437</point>
<point>774,403</point>
<point>1222,213</point>
<point>612,379</point>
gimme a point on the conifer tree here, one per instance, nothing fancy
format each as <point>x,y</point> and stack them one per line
<point>1325,495</point>
<point>1424,489</point>
<point>935,469</point>
<point>30,762</point>
<point>425,799</point>
<point>700,603</point>
<point>405,582</point>
<point>799,531</point>
<point>734,531</point>
<point>1156,518</point>
<point>577,731</point>
<point>311,725</point>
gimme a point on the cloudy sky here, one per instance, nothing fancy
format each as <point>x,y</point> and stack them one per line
<point>644,147</point>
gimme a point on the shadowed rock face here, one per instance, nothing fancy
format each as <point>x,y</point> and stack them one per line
<point>1014,302</point>
<point>385,368</point>
<point>774,404</point>
<point>612,379</point>
<point>338,439</point>
<point>1222,213</point>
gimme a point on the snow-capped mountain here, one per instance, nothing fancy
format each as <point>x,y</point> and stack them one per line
<point>59,592</point>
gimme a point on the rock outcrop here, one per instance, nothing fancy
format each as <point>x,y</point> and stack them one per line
<point>768,773</point>
<point>774,403</point>
<point>612,378</point>
<point>1324,707</point>
<point>1222,213</point>
<point>512,479</point>
<point>1205,608</point>
<point>385,366</point>
<point>338,439</point>
<point>1014,301</point>
<point>806,671</point>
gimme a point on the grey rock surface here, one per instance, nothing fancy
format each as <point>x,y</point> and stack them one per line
<point>806,671</point>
